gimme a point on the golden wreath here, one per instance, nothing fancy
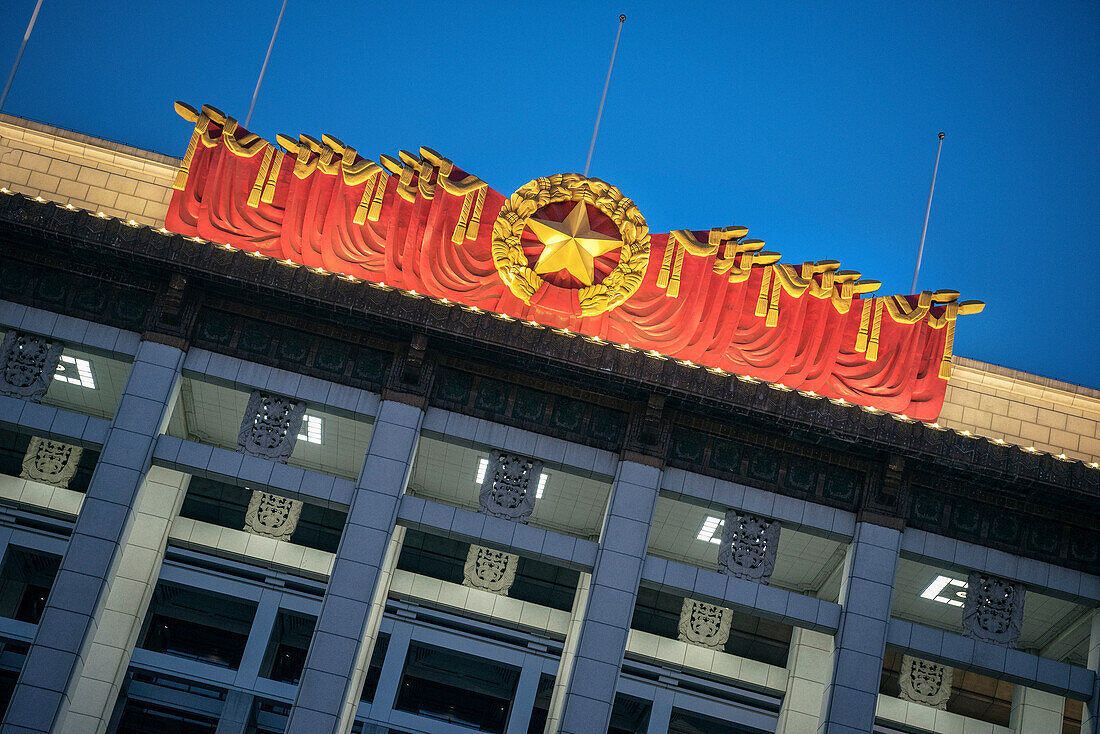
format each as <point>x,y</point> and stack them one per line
<point>511,263</point>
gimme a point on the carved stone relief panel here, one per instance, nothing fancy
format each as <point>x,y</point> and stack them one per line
<point>925,682</point>
<point>270,426</point>
<point>272,516</point>
<point>489,569</point>
<point>704,624</point>
<point>27,365</point>
<point>748,548</point>
<point>50,462</point>
<point>509,487</point>
<point>993,609</point>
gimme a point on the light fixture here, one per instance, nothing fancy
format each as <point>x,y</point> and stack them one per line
<point>483,466</point>
<point>76,371</point>
<point>312,426</point>
<point>710,527</point>
<point>954,588</point>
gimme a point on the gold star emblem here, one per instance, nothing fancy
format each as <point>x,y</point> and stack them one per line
<point>571,244</point>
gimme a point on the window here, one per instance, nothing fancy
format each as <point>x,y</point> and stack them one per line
<point>285,657</point>
<point>198,625</point>
<point>25,581</point>
<point>457,688</point>
<point>76,371</point>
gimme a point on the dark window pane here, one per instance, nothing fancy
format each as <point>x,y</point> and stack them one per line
<point>198,625</point>
<point>374,670</point>
<point>286,650</point>
<point>147,718</point>
<point>629,715</point>
<point>25,580</point>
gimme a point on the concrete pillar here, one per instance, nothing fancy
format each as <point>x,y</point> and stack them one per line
<point>860,642</point>
<point>809,666</point>
<point>1090,723</point>
<point>75,666</point>
<point>236,713</point>
<point>351,612</point>
<point>585,689</point>
<point>1035,711</point>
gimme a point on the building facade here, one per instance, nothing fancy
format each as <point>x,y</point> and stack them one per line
<point>245,495</point>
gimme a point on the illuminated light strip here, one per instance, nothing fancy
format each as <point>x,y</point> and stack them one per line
<point>710,527</point>
<point>83,368</point>
<point>313,425</point>
<point>483,467</point>
<point>934,591</point>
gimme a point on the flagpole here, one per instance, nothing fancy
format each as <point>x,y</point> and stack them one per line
<point>603,97</point>
<point>263,69</point>
<point>19,56</point>
<point>927,212</point>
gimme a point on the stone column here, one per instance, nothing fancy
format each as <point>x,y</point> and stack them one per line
<point>351,612</point>
<point>860,642</point>
<point>809,666</point>
<point>75,666</point>
<point>587,678</point>
<point>1035,711</point>
<point>1090,723</point>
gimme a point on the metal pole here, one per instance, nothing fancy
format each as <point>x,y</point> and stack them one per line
<point>927,212</point>
<point>603,97</point>
<point>263,69</point>
<point>19,56</point>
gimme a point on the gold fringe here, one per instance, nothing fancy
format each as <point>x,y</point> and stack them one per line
<point>948,346</point>
<point>460,229</point>
<point>475,217</point>
<point>773,304</point>
<point>864,322</point>
<point>872,343</point>
<point>361,211</point>
<point>765,286</point>
<point>272,178</point>
<point>379,193</point>
<point>666,263</point>
<point>258,186</point>
<point>180,181</point>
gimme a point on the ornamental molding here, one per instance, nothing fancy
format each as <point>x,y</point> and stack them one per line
<point>749,546</point>
<point>272,515</point>
<point>270,426</point>
<point>993,610</point>
<point>509,487</point>
<point>706,625</point>
<point>50,462</point>
<point>489,570</point>
<point>27,365</point>
<point>925,682</point>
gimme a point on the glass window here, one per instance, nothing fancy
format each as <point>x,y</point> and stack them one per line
<point>629,715</point>
<point>374,670</point>
<point>973,695</point>
<point>140,717</point>
<point>687,722</point>
<point>457,688</point>
<point>286,650</point>
<point>199,625</point>
<point>541,710</point>
<point>25,580</point>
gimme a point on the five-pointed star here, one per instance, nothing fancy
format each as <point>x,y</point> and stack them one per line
<point>571,244</point>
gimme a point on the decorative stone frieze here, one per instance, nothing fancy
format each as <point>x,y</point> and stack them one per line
<point>489,569</point>
<point>925,682</point>
<point>27,365</point>
<point>993,609</point>
<point>272,516</point>
<point>508,489</point>
<point>706,625</point>
<point>50,462</point>
<point>270,426</point>
<point>748,548</point>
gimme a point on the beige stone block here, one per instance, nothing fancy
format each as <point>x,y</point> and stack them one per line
<point>1005,426</point>
<point>70,189</point>
<point>14,178</point>
<point>102,197</point>
<point>1090,447</point>
<point>1035,433</point>
<point>965,398</point>
<point>63,170</point>
<point>978,419</point>
<point>1051,418</point>
<point>1064,439</point>
<point>1081,426</point>
<point>1026,413</point>
<point>995,405</point>
<point>149,191</point>
<point>92,177</point>
<point>34,162</point>
<point>130,204</point>
<point>951,414</point>
<point>121,184</point>
<point>43,181</point>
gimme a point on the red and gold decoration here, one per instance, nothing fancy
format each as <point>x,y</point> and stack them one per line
<point>570,253</point>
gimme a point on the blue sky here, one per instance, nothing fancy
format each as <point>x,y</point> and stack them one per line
<point>813,124</point>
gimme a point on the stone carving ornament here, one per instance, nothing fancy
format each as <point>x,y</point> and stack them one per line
<point>508,490</point>
<point>27,365</point>
<point>993,609</point>
<point>272,516</point>
<point>50,462</point>
<point>748,548</point>
<point>489,569</point>
<point>925,682</point>
<point>706,625</point>
<point>270,426</point>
